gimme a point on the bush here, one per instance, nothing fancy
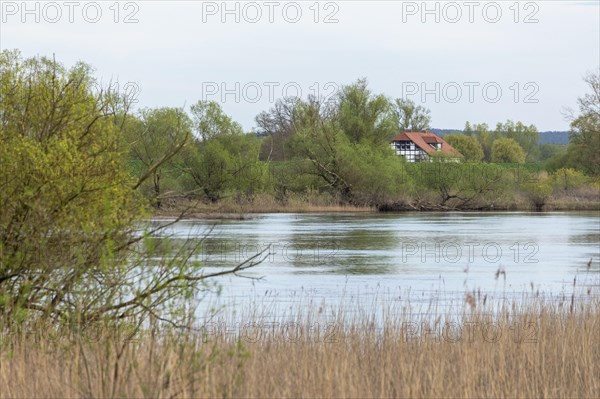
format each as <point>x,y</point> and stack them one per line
<point>70,242</point>
<point>568,179</point>
<point>536,187</point>
<point>507,150</point>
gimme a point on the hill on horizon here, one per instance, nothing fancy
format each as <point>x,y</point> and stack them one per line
<point>547,137</point>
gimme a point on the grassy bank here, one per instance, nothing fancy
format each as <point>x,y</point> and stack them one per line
<point>263,203</point>
<point>581,200</point>
<point>536,348</point>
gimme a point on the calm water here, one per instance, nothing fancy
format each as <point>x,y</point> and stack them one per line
<point>334,257</point>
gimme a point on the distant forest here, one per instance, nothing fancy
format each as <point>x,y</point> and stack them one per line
<point>552,137</point>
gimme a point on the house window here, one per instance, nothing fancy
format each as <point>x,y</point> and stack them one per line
<point>403,145</point>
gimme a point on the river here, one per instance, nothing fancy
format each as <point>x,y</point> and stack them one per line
<point>337,258</point>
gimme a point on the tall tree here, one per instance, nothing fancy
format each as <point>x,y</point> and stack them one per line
<point>528,137</point>
<point>277,124</point>
<point>411,117</point>
<point>66,198</point>
<point>219,159</point>
<point>484,135</point>
<point>209,120</point>
<point>361,173</point>
<point>584,147</point>
<point>364,116</point>
<point>155,138</point>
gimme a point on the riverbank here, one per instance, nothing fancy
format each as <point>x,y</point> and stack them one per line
<point>582,200</point>
<point>242,209</point>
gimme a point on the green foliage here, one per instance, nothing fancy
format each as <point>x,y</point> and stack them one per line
<point>550,151</point>
<point>537,188</point>
<point>154,139</point>
<point>287,177</point>
<point>458,185</point>
<point>364,117</point>
<point>468,146</point>
<point>210,121</point>
<point>357,169</point>
<point>411,117</point>
<point>584,148</point>
<point>526,136</point>
<point>485,137</point>
<point>225,160</point>
<point>374,177</point>
<point>568,179</point>
<point>506,150</point>
<point>319,139</point>
<point>66,197</point>
<point>209,165</point>
<point>73,244</point>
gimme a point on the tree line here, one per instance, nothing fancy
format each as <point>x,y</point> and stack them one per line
<point>339,148</point>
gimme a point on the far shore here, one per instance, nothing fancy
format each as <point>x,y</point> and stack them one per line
<point>229,210</point>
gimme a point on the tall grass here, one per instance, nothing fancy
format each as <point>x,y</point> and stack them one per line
<point>260,203</point>
<point>533,347</point>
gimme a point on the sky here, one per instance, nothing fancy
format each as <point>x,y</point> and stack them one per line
<point>476,61</point>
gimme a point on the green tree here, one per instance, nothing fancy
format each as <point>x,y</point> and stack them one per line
<point>548,151</point>
<point>66,197</point>
<point>318,137</point>
<point>567,179</point>
<point>451,186</point>
<point>71,249</point>
<point>411,117</point>
<point>537,191</point>
<point>527,136</point>
<point>361,173</point>
<point>468,146</point>
<point>364,116</point>
<point>222,159</point>
<point>584,139</point>
<point>484,135</point>
<point>210,120</point>
<point>505,150</point>
<point>154,140</point>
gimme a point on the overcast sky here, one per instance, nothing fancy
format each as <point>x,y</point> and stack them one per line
<point>476,61</point>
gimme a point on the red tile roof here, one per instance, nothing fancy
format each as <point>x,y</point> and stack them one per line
<point>423,141</point>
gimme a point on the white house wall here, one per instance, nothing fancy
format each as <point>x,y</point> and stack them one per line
<point>410,151</point>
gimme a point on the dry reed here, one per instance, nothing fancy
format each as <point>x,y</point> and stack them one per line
<point>531,347</point>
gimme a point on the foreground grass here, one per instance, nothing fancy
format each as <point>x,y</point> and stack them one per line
<point>536,348</point>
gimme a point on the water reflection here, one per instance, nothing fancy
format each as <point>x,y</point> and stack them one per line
<point>420,251</point>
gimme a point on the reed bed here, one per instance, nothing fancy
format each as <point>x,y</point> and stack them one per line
<point>531,347</point>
